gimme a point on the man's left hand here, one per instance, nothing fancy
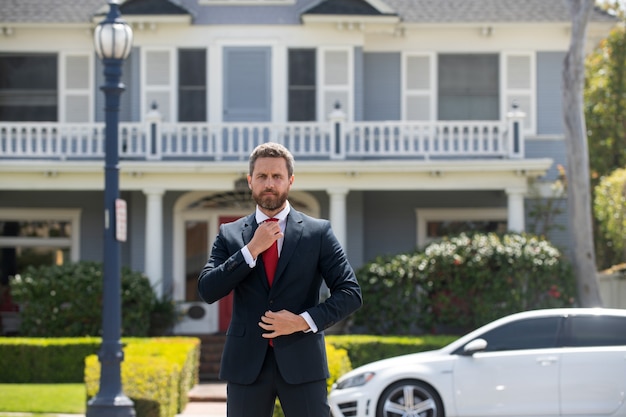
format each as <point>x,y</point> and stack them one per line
<point>281,323</point>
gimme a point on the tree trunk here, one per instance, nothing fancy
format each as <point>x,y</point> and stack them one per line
<point>578,179</point>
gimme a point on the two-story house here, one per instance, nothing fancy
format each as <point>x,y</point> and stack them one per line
<point>409,120</point>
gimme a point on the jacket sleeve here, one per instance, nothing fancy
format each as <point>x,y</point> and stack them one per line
<point>225,268</point>
<point>345,292</point>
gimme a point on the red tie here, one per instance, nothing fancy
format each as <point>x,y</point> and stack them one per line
<point>270,258</point>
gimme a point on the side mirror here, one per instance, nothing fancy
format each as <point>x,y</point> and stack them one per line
<point>474,346</point>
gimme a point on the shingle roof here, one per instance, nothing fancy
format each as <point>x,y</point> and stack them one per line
<point>510,11</point>
<point>49,11</point>
<point>416,11</point>
<point>77,11</point>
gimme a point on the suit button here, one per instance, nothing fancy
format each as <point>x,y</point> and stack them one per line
<point>271,302</point>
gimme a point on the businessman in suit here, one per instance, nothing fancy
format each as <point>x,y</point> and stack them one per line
<point>275,343</point>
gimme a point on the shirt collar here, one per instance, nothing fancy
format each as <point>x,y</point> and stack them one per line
<point>281,215</point>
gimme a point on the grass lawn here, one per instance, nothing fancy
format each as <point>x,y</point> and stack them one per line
<point>43,398</point>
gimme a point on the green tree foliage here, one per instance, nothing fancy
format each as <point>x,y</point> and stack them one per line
<point>463,282</point>
<point>605,104</point>
<point>66,300</point>
<point>605,117</point>
<point>610,211</point>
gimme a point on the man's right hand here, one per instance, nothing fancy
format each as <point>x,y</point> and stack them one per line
<point>265,235</point>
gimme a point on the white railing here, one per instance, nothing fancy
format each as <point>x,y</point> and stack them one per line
<point>337,139</point>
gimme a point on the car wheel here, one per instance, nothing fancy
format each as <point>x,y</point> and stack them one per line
<point>409,398</point>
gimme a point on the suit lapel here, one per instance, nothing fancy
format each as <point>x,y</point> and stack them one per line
<point>248,229</point>
<point>293,233</point>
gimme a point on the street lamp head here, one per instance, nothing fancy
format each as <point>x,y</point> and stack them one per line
<point>113,37</point>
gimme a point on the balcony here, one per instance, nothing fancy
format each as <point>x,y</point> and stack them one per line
<point>336,139</point>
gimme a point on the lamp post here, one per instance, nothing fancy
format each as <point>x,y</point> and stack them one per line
<point>113,41</point>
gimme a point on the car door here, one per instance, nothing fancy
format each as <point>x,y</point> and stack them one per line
<point>593,365</point>
<point>517,373</point>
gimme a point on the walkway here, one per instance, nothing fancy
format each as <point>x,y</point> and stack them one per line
<point>207,399</point>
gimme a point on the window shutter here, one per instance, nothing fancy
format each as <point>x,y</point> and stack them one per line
<point>336,81</point>
<point>519,86</point>
<point>76,89</point>
<point>418,85</point>
<point>159,82</point>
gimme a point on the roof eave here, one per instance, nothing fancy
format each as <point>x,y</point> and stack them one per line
<point>167,19</point>
<point>343,18</point>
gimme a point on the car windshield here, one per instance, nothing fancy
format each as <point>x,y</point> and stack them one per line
<point>533,333</point>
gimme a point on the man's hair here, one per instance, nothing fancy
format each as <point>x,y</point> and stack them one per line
<point>272,150</point>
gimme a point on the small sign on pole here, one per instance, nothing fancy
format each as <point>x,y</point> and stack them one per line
<point>120,220</point>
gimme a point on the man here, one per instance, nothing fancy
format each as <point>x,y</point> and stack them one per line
<point>275,343</point>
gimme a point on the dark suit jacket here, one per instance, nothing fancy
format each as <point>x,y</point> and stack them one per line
<point>309,254</point>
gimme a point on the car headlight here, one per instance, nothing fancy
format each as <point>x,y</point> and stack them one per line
<point>355,381</point>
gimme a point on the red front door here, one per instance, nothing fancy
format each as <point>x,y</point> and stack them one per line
<point>225,304</point>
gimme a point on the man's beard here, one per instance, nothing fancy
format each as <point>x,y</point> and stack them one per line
<point>270,202</point>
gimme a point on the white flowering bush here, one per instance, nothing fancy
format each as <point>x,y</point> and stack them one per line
<point>462,282</point>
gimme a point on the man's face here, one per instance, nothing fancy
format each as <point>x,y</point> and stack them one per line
<point>270,184</point>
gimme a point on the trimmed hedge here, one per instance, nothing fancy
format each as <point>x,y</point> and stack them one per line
<point>42,360</point>
<point>156,375</point>
<point>364,349</point>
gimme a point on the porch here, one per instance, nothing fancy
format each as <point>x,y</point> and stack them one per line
<point>337,139</point>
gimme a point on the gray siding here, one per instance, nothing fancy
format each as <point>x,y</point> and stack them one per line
<point>382,86</point>
<point>169,199</point>
<point>91,213</point>
<point>549,93</point>
<point>548,148</point>
<point>559,235</point>
<point>395,228</point>
<point>136,202</point>
<point>247,14</point>
<point>355,239</point>
<point>358,84</point>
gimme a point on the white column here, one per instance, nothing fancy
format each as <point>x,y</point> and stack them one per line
<point>153,261</point>
<point>338,214</point>
<point>516,215</point>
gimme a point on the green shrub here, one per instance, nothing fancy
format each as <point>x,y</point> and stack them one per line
<point>44,360</point>
<point>363,349</point>
<point>66,300</point>
<point>610,211</point>
<point>156,374</point>
<point>389,286</point>
<point>463,282</point>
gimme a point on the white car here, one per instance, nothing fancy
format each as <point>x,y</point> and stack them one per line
<point>556,362</point>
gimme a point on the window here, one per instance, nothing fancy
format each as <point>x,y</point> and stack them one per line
<point>537,333</point>
<point>469,87</point>
<point>36,237</point>
<point>28,88</point>
<point>596,331</point>
<point>192,85</point>
<point>433,224</point>
<point>302,103</point>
